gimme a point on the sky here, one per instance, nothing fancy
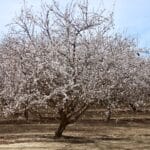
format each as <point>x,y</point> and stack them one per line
<point>131,17</point>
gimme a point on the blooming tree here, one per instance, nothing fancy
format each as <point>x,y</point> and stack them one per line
<point>67,60</point>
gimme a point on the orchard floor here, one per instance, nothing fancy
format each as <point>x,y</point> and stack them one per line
<point>80,136</point>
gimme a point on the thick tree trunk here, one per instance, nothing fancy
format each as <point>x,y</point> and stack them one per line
<point>60,129</point>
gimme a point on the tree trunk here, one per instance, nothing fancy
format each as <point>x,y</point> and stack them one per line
<point>60,129</point>
<point>109,113</point>
<point>26,114</point>
<point>133,107</point>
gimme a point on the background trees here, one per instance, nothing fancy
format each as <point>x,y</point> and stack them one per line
<point>67,60</point>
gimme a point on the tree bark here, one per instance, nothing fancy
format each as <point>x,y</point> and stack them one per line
<point>60,129</point>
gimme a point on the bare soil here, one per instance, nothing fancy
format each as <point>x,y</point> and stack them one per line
<point>79,136</point>
<point>121,133</point>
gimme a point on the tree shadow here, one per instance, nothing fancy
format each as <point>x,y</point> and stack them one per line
<point>73,139</point>
<point>109,138</point>
<point>63,139</point>
<point>81,140</point>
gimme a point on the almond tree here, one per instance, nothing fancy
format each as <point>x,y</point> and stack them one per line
<point>67,60</point>
<point>54,60</point>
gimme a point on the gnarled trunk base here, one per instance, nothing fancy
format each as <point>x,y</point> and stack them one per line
<point>60,129</point>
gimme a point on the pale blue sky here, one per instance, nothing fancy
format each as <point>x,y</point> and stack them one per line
<point>132,17</point>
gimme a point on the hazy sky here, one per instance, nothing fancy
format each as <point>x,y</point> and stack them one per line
<point>132,17</point>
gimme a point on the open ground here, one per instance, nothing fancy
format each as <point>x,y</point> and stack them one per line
<point>128,133</point>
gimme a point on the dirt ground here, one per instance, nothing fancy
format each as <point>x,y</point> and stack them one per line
<point>80,136</point>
